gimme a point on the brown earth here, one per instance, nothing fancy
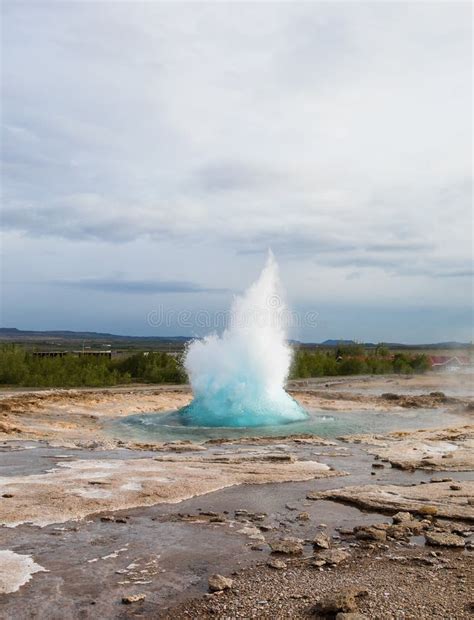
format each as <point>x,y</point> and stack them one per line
<point>445,449</point>
<point>435,498</point>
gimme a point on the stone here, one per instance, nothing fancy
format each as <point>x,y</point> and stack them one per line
<point>288,546</point>
<point>321,541</point>
<point>455,487</point>
<point>399,531</point>
<point>378,465</point>
<point>277,564</point>
<point>402,517</point>
<point>314,495</point>
<point>343,600</point>
<point>218,583</point>
<point>390,396</point>
<point>333,556</point>
<point>133,598</point>
<point>444,539</point>
<point>318,563</point>
<point>370,533</point>
<point>303,516</point>
<point>217,519</point>
<point>427,510</point>
<point>241,512</point>
<point>345,531</point>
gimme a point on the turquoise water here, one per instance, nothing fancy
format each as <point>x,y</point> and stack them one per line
<point>172,426</point>
<point>218,409</point>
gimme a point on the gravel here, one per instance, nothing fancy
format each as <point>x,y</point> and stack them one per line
<point>402,583</point>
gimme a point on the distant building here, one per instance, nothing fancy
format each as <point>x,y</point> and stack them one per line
<point>106,354</point>
<point>450,363</point>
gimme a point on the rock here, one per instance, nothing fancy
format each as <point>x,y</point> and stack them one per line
<point>444,539</point>
<point>402,517</point>
<point>278,564</point>
<point>455,487</point>
<point>241,513</point>
<point>217,583</point>
<point>378,465</point>
<point>334,556</point>
<point>303,516</point>
<point>352,615</point>
<point>390,396</point>
<point>281,458</point>
<point>344,531</point>
<point>252,532</point>
<point>291,507</point>
<point>314,495</point>
<point>427,510</point>
<point>370,533</point>
<point>318,563</point>
<point>288,546</point>
<point>321,541</point>
<point>344,600</point>
<point>133,598</point>
<point>399,532</point>
<point>217,519</point>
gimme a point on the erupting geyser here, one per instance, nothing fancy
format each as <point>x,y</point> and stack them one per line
<point>238,378</point>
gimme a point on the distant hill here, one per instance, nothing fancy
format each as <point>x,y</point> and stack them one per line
<point>12,334</point>
<point>336,343</point>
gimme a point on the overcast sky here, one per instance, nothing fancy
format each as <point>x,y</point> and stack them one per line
<point>152,152</point>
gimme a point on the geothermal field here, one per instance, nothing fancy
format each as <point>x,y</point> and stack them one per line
<point>242,495</point>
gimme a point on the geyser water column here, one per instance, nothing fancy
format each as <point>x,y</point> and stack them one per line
<point>238,378</point>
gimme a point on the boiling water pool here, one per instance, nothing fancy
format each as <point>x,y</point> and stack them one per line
<point>170,427</point>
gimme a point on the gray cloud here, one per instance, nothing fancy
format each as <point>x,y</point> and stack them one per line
<point>467,273</point>
<point>138,287</point>
<point>235,176</point>
<point>327,131</point>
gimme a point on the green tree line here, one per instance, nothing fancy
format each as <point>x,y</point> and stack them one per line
<point>19,367</point>
<point>22,368</point>
<point>354,361</point>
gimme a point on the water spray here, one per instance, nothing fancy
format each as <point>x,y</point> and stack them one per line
<point>238,377</point>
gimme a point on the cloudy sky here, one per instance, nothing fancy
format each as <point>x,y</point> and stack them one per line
<point>152,152</point>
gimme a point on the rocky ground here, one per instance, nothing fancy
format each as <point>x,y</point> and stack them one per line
<point>77,417</point>
<point>378,582</point>
<point>362,526</point>
<point>439,449</point>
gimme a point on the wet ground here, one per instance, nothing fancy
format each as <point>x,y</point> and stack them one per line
<point>331,424</point>
<point>167,551</point>
<point>92,563</point>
